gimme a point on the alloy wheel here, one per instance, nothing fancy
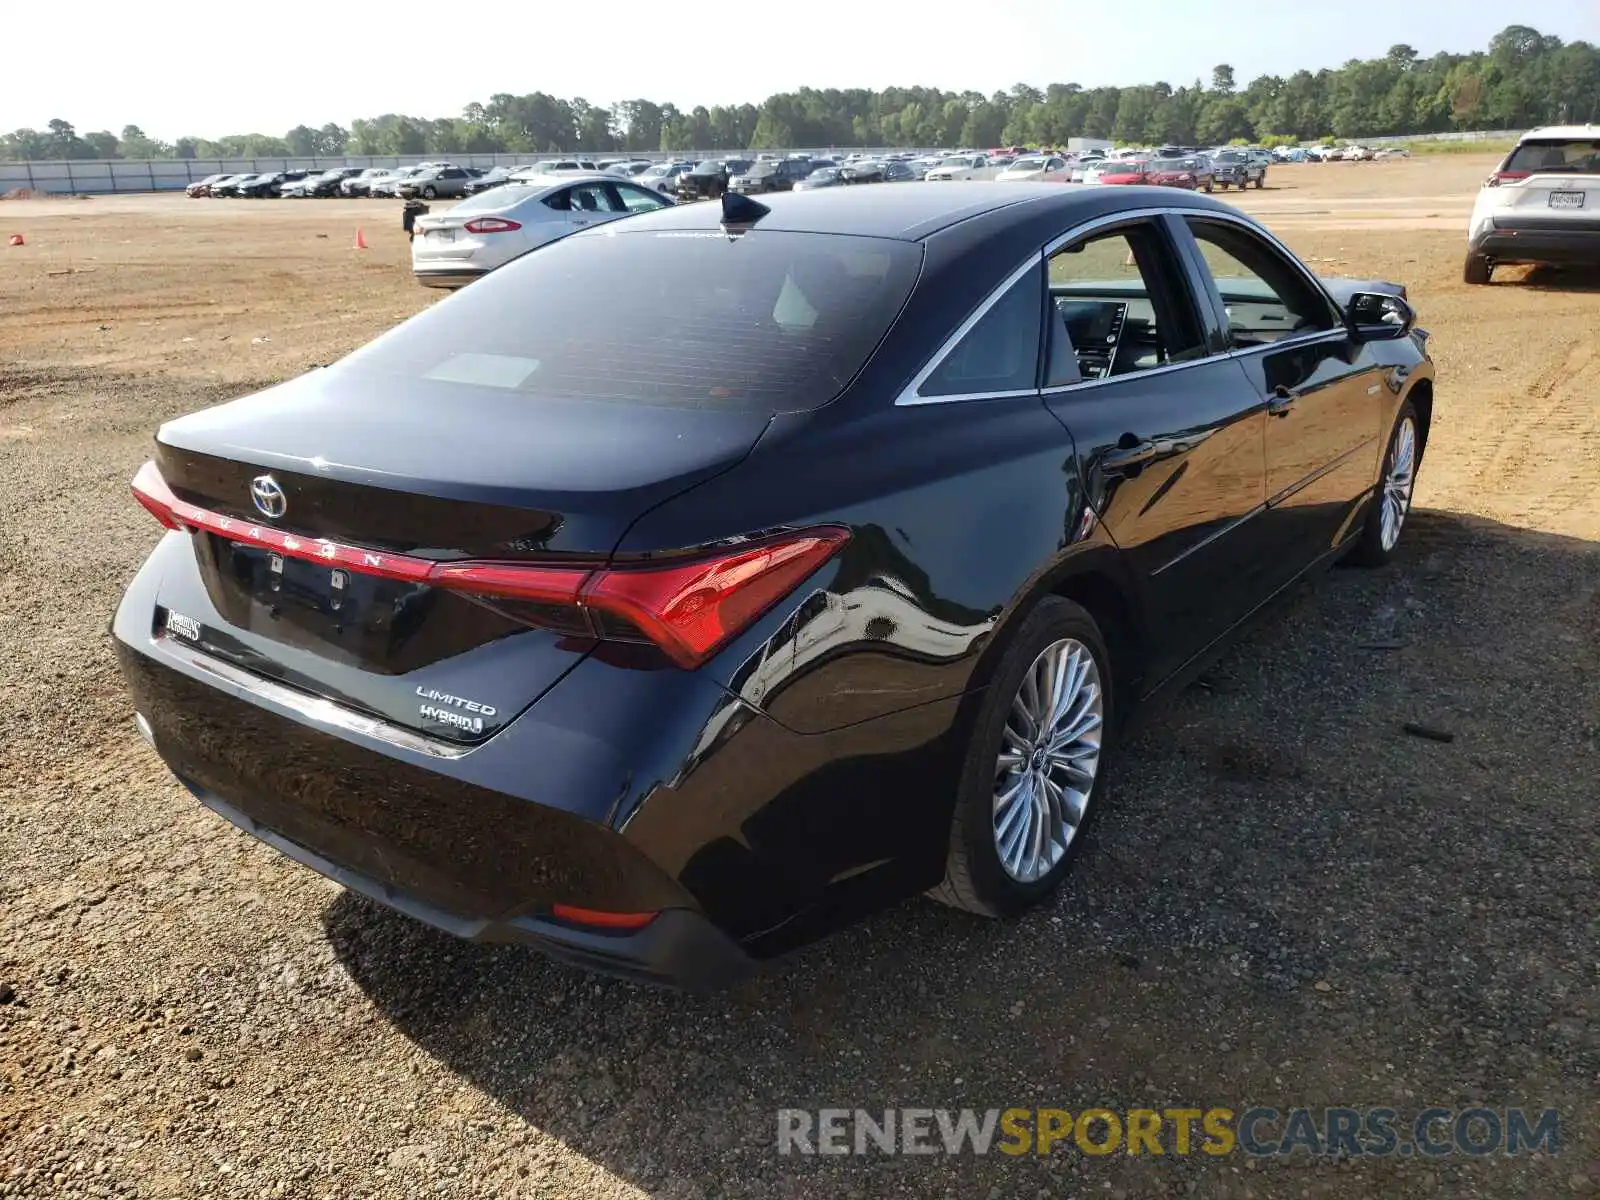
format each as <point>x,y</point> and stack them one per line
<point>1397,483</point>
<point>1049,755</point>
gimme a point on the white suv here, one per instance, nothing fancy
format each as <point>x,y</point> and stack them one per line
<point>1541,206</point>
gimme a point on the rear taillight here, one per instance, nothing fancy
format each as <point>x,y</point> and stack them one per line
<point>491,225</point>
<point>689,607</point>
<point>595,918</point>
<point>1500,177</point>
<point>150,490</point>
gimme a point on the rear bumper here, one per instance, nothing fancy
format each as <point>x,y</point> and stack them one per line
<point>1539,240</point>
<point>680,948</point>
<point>473,862</point>
<point>622,789</point>
<point>452,277</point>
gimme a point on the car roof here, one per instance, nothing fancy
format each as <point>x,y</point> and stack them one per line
<point>915,213</point>
<point>1562,131</point>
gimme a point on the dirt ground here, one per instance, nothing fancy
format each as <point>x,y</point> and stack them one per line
<point>1289,901</point>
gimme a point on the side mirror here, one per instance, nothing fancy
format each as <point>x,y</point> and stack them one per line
<point>1379,317</point>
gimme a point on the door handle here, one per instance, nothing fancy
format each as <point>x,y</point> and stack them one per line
<point>1280,401</point>
<point>1120,457</point>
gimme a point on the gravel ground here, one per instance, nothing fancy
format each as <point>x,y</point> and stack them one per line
<point>1288,901</point>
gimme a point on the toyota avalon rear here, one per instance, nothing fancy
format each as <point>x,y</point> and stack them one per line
<point>392,629</point>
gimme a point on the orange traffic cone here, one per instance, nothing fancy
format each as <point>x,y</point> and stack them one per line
<point>361,241</point>
<point>16,239</point>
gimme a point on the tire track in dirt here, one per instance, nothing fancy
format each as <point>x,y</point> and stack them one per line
<point>1559,412</point>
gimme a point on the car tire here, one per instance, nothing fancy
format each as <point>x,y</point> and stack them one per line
<point>1478,269</point>
<point>1261,182</point>
<point>977,879</point>
<point>1208,185</point>
<point>430,192</point>
<point>1377,542</point>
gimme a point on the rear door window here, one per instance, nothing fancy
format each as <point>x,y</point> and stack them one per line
<point>771,321</point>
<point>637,199</point>
<point>594,197</point>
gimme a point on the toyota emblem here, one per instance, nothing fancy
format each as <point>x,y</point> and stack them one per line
<point>268,496</point>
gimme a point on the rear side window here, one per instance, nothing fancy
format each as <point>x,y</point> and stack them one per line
<point>766,322</point>
<point>1568,156</point>
<point>1000,353</point>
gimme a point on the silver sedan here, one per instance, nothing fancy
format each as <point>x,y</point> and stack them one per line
<point>488,230</point>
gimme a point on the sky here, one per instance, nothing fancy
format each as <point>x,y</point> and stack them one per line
<point>176,67</point>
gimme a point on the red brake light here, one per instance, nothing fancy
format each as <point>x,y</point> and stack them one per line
<point>692,609</point>
<point>1500,177</point>
<point>491,225</point>
<point>150,490</point>
<point>688,608</point>
<point>512,581</point>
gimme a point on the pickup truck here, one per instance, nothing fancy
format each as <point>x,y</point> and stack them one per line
<point>1235,168</point>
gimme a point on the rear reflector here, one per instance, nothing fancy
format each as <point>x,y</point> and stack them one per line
<point>689,607</point>
<point>596,919</point>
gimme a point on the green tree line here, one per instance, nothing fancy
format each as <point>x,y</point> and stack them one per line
<point>1523,78</point>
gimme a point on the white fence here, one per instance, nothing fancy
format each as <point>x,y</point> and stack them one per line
<point>1466,135</point>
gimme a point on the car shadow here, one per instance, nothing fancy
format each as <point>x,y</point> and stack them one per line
<point>1288,899</point>
<point>1562,279</point>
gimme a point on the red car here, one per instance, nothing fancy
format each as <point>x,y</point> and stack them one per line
<point>1178,173</point>
<point>1127,173</point>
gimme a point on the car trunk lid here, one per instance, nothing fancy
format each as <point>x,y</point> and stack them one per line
<point>319,507</point>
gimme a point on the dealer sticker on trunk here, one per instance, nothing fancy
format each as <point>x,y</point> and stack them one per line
<point>181,626</point>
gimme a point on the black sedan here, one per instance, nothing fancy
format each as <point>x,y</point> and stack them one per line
<point>329,182</point>
<point>693,585</point>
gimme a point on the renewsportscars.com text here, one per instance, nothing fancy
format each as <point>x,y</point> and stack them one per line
<point>1260,1132</point>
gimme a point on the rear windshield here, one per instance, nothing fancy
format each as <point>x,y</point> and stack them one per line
<point>1570,157</point>
<point>766,322</point>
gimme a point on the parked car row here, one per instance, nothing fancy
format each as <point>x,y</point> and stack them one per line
<point>1229,167</point>
<point>428,180</point>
